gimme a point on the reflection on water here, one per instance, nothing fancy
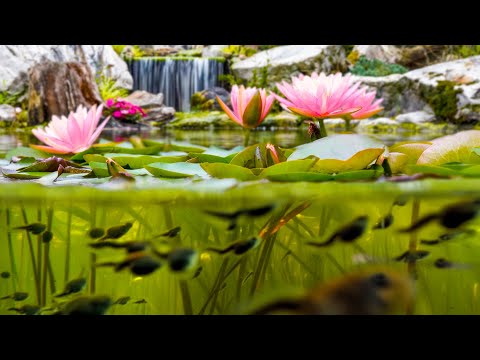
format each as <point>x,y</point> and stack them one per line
<point>227,138</point>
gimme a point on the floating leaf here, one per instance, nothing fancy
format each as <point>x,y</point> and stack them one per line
<point>228,171</point>
<point>473,171</point>
<point>175,145</point>
<point>26,152</point>
<point>296,166</point>
<point>104,149</point>
<point>359,175</point>
<point>412,150</point>
<point>431,170</point>
<point>100,169</point>
<point>358,161</point>
<point>48,165</point>
<point>457,166</point>
<point>176,170</point>
<point>300,176</point>
<point>214,154</point>
<point>12,174</point>
<point>139,161</point>
<point>248,158</point>
<point>397,162</point>
<point>452,148</point>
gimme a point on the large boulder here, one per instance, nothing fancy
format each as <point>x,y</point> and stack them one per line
<point>385,53</point>
<point>16,60</point>
<point>451,90</point>
<point>214,51</point>
<point>7,114</point>
<point>286,61</point>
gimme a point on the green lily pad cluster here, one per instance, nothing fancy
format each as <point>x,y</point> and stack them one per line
<point>345,157</point>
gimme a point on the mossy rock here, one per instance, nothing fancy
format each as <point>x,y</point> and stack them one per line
<point>201,120</point>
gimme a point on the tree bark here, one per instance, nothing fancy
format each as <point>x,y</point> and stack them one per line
<point>57,88</point>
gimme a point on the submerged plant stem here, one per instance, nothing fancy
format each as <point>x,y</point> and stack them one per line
<point>348,126</point>
<point>246,137</point>
<point>13,265</point>
<point>68,248</point>
<point>46,260</point>
<point>32,257</point>
<point>412,247</point>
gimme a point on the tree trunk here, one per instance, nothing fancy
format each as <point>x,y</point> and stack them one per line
<point>57,88</point>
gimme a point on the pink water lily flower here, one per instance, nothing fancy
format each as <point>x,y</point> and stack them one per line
<point>74,134</point>
<point>320,96</point>
<point>250,106</point>
<point>365,100</point>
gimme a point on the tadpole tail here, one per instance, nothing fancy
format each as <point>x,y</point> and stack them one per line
<point>14,309</point>
<point>220,251</point>
<point>322,244</point>
<point>420,223</point>
<point>429,242</point>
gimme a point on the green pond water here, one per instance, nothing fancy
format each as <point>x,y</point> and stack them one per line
<point>281,264</point>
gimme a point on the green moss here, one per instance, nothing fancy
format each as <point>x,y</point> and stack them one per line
<point>10,98</point>
<point>176,58</point>
<point>237,50</point>
<point>198,102</point>
<point>118,48</point>
<point>443,100</point>
<point>366,67</point>
<point>464,51</point>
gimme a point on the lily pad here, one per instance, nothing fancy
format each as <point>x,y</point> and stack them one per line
<point>472,171</point>
<point>254,156</point>
<point>228,171</point>
<point>12,174</point>
<point>431,170</point>
<point>452,148</point>
<point>412,150</point>
<point>296,166</point>
<point>358,175</point>
<point>175,145</point>
<point>176,170</point>
<point>339,153</point>
<point>300,176</point>
<point>214,154</point>
<point>139,161</point>
<point>26,152</point>
<point>105,149</point>
<point>397,161</point>
<point>100,169</point>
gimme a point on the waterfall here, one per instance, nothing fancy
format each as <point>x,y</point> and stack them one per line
<point>177,79</point>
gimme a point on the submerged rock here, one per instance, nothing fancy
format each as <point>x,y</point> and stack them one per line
<point>17,60</point>
<point>286,61</point>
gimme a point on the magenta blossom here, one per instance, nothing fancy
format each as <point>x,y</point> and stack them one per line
<point>250,106</point>
<point>123,110</point>
<point>74,134</point>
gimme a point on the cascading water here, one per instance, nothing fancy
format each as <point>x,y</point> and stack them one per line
<point>177,79</point>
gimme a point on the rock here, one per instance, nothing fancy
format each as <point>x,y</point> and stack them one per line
<point>338,124</point>
<point>202,120</point>
<point>418,56</point>
<point>379,124</point>
<point>57,88</point>
<point>17,60</point>
<point>214,51</point>
<point>283,120</point>
<point>7,113</point>
<point>286,61</point>
<point>385,53</point>
<point>145,100</point>
<point>153,106</point>
<point>206,100</point>
<point>450,90</point>
<point>416,117</point>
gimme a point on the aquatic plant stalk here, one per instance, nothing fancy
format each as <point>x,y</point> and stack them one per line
<point>246,137</point>
<point>11,254</point>
<point>347,124</point>
<point>412,247</point>
<point>68,247</point>
<point>184,290</point>
<point>39,253</point>
<point>93,256</point>
<point>32,257</point>
<point>46,258</point>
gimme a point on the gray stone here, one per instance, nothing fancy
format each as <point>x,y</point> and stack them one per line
<point>412,91</point>
<point>7,113</point>
<point>384,124</point>
<point>214,51</point>
<point>385,53</point>
<point>286,61</point>
<point>16,60</point>
<point>416,117</point>
<point>145,100</point>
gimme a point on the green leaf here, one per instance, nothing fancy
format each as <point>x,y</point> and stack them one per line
<point>214,154</point>
<point>139,161</point>
<point>12,174</point>
<point>477,151</point>
<point>26,152</point>
<point>253,111</point>
<point>473,171</point>
<point>176,170</point>
<point>176,146</point>
<point>413,150</point>
<point>100,169</point>
<point>247,157</point>
<point>431,170</point>
<point>228,171</point>
<point>296,166</point>
<point>338,153</point>
<point>452,148</point>
<point>397,162</point>
<point>457,166</point>
<point>358,175</point>
<point>300,176</point>
<point>100,149</point>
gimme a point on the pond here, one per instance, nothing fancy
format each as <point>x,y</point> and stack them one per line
<point>227,247</point>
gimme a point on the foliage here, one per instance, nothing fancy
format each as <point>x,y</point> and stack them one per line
<point>197,52</point>
<point>464,51</point>
<point>266,47</point>
<point>375,67</point>
<point>10,98</point>
<point>118,48</point>
<point>237,50</point>
<point>108,88</point>
<point>444,100</point>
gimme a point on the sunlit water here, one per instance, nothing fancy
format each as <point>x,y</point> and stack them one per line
<point>232,284</point>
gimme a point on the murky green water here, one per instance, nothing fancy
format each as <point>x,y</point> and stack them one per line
<point>229,283</point>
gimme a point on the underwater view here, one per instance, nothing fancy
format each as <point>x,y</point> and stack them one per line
<point>224,180</point>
